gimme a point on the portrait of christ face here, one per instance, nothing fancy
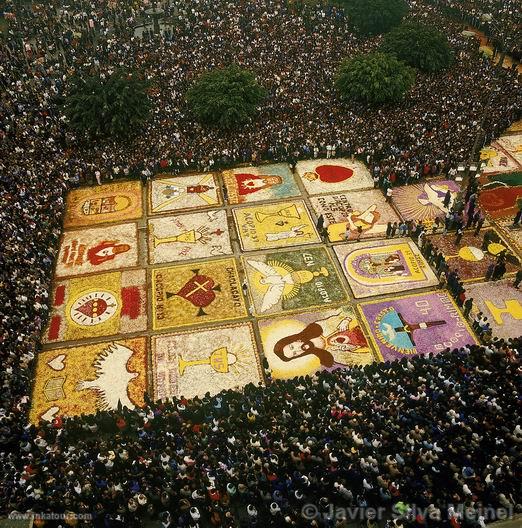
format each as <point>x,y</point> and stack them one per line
<point>300,345</point>
<point>293,349</point>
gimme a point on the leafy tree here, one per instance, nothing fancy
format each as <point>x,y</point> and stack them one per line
<point>372,17</point>
<point>420,46</point>
<point>374,78</point>
<point>113,106</point>
<point>225,97</point>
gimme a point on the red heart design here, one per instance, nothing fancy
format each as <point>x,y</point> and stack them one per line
<point>198,291</point>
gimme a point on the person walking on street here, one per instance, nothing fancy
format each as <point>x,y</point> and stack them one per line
<point>476,321</point>
<point>348,232</point>
<point>447,199</point>
<point>426,250</point>
<point>452,217</point>
<point>486,240</point>
<point>420,239</point>
<point>499,270</point>
<point>484,326</point>
<point>458,237</point>
<point>489,271</point>
<point>518,217</point>
<point>447,222</point>
<point>518,279</point>
<point>468,304</point>
<point>438,260</point>
<point>471,209</point>
<point>480,223</point>
<point>320,224</point>
<point>461,298</point>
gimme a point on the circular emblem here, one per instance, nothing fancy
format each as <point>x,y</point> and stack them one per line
<point>94,308</point>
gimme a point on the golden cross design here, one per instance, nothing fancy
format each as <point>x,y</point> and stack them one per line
<point>198,287</point>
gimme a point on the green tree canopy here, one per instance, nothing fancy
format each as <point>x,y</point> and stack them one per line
<point>420,46</point>
<point>374,78</point>
<point>372,17</point>
<point>113,106</point>
<point>225,97</point>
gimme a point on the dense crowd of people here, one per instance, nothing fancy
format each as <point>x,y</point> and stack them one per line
<point>499,19</point>
<point>434,439</point>
<point>283,43</point>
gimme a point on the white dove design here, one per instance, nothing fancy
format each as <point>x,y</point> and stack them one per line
<point>435,196</point>
<point>112,378</point>
<point>274,280</point>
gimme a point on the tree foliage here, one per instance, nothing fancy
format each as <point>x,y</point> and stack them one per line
<point>113,106</point>
<point>420,46</point>
<point>374,78</point>
<point>372,17</point>
<point>225,97</point>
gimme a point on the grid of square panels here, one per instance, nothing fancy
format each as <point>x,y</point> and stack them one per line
<point>178,288</point>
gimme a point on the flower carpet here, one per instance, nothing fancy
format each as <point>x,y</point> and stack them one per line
<point>423,202</point>
<point>84,379</point>
<point>275,225</point>
<point>189,236</point>
<point>254,184</point>
<point>194,294</point>
<point>425,323</point>
<point>98,249</point>
<point>322,176</point>
<point>212,359</point>
<point>501,303</point>
<point>301,344</point>
<point>114,202</point>
<point>473,255</point>
<point>173,193</point>
<point>185,291</point>
<point>384,266</point>
<point>350,215</point>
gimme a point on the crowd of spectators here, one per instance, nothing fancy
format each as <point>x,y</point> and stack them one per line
<point>430,438</point>
<point>283,43</point>
<point>505,20</point>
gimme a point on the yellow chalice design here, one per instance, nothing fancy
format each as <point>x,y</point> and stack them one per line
<point>191,236</point>
<point>287,212</point>
<point>220,360</point>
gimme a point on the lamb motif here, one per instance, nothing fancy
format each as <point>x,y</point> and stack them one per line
<point>112,378</point>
